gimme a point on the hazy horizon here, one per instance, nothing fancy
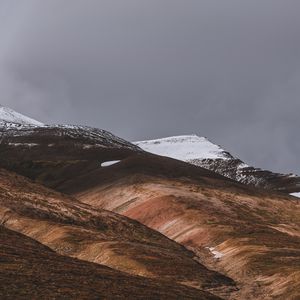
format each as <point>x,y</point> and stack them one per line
<point>141,69</point>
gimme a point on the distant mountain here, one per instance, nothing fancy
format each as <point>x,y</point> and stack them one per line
<point>185,147</point>
<point>8,115</point>
<point>201,152</point>
<point>21,131</point>
<point>25,141</point>
<point>58,151</point>
<point>18,133</point>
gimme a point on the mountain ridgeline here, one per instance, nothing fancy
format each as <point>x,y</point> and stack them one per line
<point>82,143</point>
<point>201,152</point>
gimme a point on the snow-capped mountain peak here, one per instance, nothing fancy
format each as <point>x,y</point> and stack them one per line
<point>185,147</point>
<point>201,152</point>
<point>8,115</point>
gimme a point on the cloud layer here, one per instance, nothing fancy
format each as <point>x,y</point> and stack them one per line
<point>228,70</point>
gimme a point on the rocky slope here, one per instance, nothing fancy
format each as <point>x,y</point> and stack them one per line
<point>201,152</point>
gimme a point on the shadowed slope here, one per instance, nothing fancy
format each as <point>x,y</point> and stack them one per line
<point>29,270</point>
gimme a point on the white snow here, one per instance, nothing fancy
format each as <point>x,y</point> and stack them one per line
<point>295,194</point>
<point>216,253</point>
<point>185,147</point>
<point>87,146</point>
<point>109,163</point>
<point>23,144</point>
<point>8,115</point>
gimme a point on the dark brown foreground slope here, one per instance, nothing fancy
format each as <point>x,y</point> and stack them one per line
<point>78,230</point>
<point>30,270</point>
<point>253,236</point>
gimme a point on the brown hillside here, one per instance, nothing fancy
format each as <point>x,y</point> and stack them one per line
<point>255,232</point>
<point>78,230</point>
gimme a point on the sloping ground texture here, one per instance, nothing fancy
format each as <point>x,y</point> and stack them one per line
<point>30,270</point>
<point>251,235</point>
<point>78,230</point>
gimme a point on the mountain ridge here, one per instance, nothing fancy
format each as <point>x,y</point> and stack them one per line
<point>8,115</point>
<point>201,152</point>
<point>21,132</point>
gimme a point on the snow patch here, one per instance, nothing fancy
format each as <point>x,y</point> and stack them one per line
<point>87,146</point>
<point>109,163</point>
<point>8,115</point>
<point>295,194</point>
<point>23,144</point>
<point>185,147</point>
<point>217,254</point>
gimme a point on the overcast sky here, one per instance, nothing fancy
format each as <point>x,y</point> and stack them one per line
<point>142,69</point>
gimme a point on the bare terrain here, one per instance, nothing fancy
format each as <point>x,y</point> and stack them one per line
<point>74,229</point>
<point>251,235</point>
<point>146,226</point>
<point>30,270</point>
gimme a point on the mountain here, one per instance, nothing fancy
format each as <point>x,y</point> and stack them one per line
<point>31,149</point>
<point>74,229</point>
<point>92,196</point>
<point>18,133</point>
<point>248,234</point>
<point>21,133</point>
<point>185,147</point>
<point>10,116</point>
<point>201,152</point>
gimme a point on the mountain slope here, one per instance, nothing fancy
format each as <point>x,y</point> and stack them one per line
<point>77,143</point>
<point>78,230</point>
<point>8,115</point>
<point>29,270</point>
<point>251,235</point>
<point>26,146</point>
<point>185,147</point>
<point>201,152</point>
<point>30,150</point>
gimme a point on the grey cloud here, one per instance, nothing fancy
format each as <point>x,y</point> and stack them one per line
<point>228,70</point>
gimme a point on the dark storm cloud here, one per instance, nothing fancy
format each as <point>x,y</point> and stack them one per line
<point>229,70</point>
